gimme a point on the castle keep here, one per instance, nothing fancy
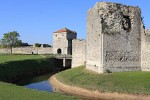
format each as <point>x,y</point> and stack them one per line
<point>114,38</point>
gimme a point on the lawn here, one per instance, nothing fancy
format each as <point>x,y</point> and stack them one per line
<point>121,82</point>
<point>7,58</point>
<point>14,67</point>
<point>13,92</point>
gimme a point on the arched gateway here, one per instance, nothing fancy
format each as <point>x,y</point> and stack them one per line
<point>59,51</point>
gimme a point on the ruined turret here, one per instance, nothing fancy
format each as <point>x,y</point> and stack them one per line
<point>114,38</point>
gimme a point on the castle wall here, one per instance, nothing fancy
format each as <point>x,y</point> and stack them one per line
<point>94,42</point>
<point>70,37</point>
<point>60,41</point>
<point>78,52</point>
<point>5,51</point>
<point>113,38</point>
<point>145,62</point>
<point>28,50</point>
<point>63,41</point>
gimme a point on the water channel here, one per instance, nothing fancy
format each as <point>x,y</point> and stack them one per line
<point>39,83</point>
<point>42,86</point>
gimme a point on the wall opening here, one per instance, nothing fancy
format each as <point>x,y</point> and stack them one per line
<point>126,23</point>
<point>70,47</point>
<point>59,51</point>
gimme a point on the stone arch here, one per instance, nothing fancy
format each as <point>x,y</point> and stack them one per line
<point>59,51</point>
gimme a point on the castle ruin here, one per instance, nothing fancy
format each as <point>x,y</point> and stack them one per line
<point>116,39</point>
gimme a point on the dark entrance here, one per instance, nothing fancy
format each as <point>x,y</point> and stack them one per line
<point>59,51</point>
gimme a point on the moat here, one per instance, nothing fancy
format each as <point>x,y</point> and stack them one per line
<point>42,86</point>
<point>38,82</point>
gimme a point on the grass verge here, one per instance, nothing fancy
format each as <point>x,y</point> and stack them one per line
<point>13,92</point>
<point>121,82</point>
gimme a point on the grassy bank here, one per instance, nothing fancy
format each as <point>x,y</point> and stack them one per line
<point>13,92</point>
<point>14,67</point>
<point>122,82</point>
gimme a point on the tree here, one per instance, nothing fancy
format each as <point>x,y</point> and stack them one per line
<point>37,45</point>
<point>10,39</point>
<point>25,44</point>
<point>46,45</point>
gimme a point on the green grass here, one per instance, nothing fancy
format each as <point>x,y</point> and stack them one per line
<point>14,67</point>
<point>13,92</point>
<point>9,58</point>
<point>122,82</point>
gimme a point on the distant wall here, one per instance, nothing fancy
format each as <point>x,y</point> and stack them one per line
<point>28,50</point>
<point>78,52</point>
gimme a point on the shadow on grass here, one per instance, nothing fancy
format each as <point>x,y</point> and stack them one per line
<point>27,69</point>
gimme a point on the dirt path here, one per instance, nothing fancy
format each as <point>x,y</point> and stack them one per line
<point>93,95</point>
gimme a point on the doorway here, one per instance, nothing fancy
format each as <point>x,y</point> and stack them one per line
<point>59,51</point>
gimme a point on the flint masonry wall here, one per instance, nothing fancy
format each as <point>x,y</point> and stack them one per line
<point>63,41</point>
<point>145,62</point>
<point>94,41</point>
<point>60,42</point>
<point>28,50</point>
<point>114,38</point>
<point>78,52</point>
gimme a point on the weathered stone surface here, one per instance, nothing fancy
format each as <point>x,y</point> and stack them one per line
<point>78,52</point>
<point>62,41</point>
<point>113,38</point>
<point>28,50</point>
<point>145,51</point>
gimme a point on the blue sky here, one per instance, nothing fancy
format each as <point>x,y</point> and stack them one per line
<point>36,20</point>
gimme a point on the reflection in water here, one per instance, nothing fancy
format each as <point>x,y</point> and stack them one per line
<point>42,86</point>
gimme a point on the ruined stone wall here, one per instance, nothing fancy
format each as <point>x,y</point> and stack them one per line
<point>28,50</point>
<point>94,41</point>
<point>78,52</point>
<point>114,38</point>
<point>145,52</point>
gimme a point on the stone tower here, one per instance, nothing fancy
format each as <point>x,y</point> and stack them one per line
<point>114,38</point>
<point>62,41</point>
